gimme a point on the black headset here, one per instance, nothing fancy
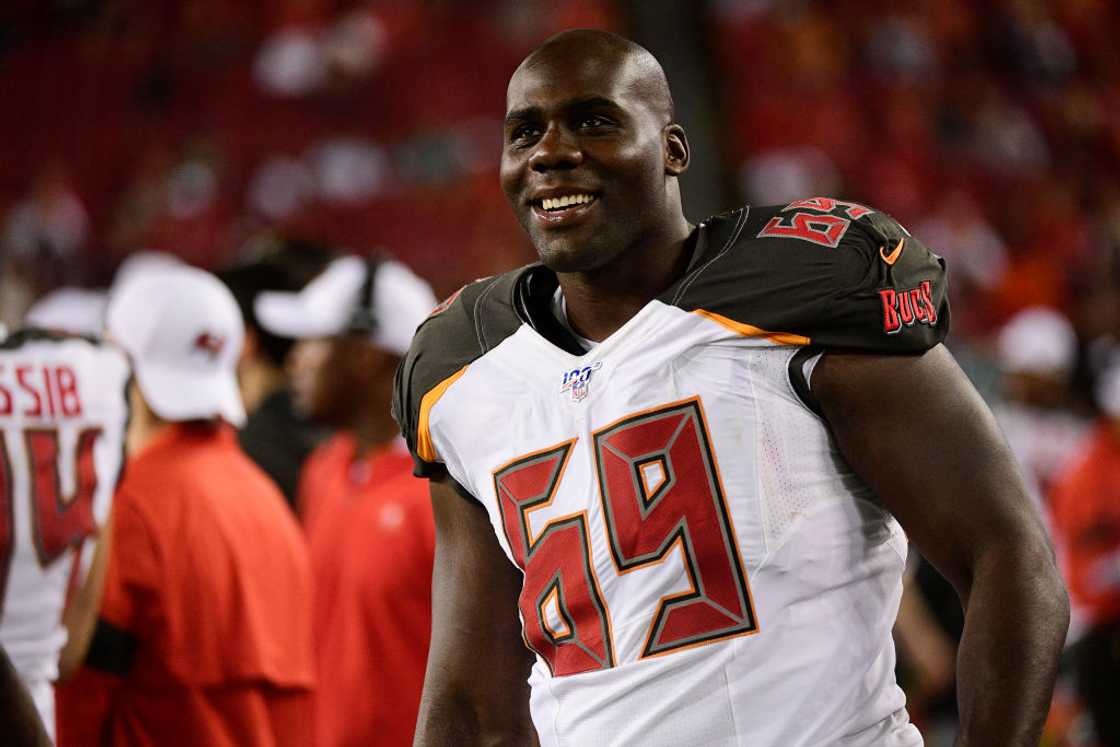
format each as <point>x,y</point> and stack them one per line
<point>364,320</point>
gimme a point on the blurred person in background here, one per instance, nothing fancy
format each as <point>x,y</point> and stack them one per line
<point>41,243</point>
<point>274,436</point>
<point>1086,519</point>
<point>1037,351</point>
<point>63,415</point>
<point>368,520</point>
<point>204,635</point>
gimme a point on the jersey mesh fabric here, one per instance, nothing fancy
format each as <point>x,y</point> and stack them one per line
<point>784,503</point>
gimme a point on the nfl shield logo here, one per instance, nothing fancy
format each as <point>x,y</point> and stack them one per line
<point>577,381</point>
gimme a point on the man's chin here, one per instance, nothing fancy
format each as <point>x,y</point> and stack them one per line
<point>303,407</point>
<point>564,256</point>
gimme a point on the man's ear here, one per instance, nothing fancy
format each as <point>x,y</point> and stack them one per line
<point>677,151</point>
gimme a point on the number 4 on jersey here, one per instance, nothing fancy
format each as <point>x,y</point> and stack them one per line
<point>58,521</point>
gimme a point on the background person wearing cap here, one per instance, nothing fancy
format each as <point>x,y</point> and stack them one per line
<point>1037,353</point>
<point>274,436</point>
<point>368,520</point>
<point>204,635</point>
<point>1085,513</point>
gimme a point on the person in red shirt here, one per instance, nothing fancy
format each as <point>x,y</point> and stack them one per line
<point>204,635</point>
<point>368,520</point>
<point>1086,516</point>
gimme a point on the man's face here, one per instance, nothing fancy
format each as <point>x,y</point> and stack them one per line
<point>318,372</point>
<point>583,160</point>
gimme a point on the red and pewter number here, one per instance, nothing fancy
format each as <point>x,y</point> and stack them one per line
<point>660,489</point>
<point>821,220</point>
<point>557,564</point>
<point>58,521</point>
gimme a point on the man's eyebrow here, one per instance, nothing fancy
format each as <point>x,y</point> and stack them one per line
<point>518,115</point>
<point>586,102</point>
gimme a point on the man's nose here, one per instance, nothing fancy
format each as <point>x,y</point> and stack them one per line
<point>556,149</point>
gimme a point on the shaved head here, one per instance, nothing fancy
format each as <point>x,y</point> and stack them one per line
<point>592,48</point>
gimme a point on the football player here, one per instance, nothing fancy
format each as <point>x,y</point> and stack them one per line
<point>684,455</point>
<point>63,414</point>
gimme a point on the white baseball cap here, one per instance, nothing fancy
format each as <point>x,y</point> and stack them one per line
<point>77,311</point>
<point>380,297</point>
<point>1038,340</point>
<point>183,330</point>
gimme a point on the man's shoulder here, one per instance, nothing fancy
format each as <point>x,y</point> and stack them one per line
<point>814,238</point>
<point>468,323</point>
<point>820,270</point>
<point>471,322</point>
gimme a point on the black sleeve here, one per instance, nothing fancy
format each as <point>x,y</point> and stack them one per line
<point>833,274</point>
<point>459,331</point>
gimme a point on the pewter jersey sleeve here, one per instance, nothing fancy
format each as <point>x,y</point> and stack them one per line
<point>63,414</point>
<point>700,565</point>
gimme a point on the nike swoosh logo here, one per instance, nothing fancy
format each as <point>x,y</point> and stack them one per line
<point>891,258</point>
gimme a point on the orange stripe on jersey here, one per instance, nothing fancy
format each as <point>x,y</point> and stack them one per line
<point>749,330</point>
<point>424,447</point>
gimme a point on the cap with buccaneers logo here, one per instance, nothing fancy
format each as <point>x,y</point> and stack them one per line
<point>380,298</point>
<point>183,330</point>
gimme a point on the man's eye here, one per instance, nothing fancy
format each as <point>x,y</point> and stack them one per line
<point>592,121</point>
<point>523,132</point>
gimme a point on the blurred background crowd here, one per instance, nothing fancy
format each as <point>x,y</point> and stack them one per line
<point>206,128</point>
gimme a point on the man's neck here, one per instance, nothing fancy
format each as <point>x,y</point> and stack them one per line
<point>144,427</point>
<point>602,300</point>
<point>370,435</point>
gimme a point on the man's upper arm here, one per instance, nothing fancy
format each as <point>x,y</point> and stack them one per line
<point>80,615</point>
<point>917,431</point>
<point>476,685</point>
<point>133,584</point>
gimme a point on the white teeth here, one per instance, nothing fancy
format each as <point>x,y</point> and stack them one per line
<point>556,203</point>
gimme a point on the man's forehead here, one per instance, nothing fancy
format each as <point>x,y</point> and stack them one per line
<point>550,81</point>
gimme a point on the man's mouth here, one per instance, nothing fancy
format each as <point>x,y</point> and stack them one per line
<point>563,208</point>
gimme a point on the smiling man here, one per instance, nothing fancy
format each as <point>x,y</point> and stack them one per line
<point>676,461</point>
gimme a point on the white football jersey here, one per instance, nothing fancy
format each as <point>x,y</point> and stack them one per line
<point>700,564</point>
<point>63,415</point>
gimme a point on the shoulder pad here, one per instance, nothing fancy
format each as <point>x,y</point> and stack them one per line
<point>820,271</point>
<point>468,324</point>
